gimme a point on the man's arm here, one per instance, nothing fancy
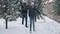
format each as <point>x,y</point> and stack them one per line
<point>36,10</point>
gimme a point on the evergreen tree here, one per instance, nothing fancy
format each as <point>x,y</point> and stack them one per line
<point>39,7</point>
<point>9,10</point>
<point>57,7</point>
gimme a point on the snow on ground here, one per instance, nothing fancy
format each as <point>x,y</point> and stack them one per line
<point>46,26</point>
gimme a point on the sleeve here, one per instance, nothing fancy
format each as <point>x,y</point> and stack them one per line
<point>37,11</point>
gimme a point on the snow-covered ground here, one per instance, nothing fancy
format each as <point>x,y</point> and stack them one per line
<point>46,26</point>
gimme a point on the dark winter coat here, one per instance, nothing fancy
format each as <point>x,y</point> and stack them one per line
<point>33,12</point>
<point>24,11</point>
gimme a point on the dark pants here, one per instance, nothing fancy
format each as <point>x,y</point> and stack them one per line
<point>25,20</point>
<point>32,24</point>
<point>35,19</point>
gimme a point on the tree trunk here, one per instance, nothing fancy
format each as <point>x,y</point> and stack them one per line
<point>6,20</point>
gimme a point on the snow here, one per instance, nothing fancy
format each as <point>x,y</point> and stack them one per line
<point>46,26</point>
<point>50,0</point>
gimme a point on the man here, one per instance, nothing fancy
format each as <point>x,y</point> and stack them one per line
<point>24,14</point>
<point>32,14</point>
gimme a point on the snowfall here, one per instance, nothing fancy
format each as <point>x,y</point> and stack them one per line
<point>46,26</point>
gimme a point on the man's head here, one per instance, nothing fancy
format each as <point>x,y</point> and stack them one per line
<point>32,4</point>
<point>24,4</point>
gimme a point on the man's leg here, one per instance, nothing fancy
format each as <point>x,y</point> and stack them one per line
<point>33,24</point>
<point>26,22</point>
<point>22,20</point>
<point>30,24</point>
<point>35,19</point>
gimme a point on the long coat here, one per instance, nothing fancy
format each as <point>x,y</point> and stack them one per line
<point>24,11</point>
<point>33,12</point>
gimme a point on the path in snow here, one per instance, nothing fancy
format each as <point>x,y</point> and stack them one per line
<point>42,27</point>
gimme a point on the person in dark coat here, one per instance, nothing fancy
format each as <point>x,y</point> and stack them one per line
<point>32,14</point>
<point>24,14</point>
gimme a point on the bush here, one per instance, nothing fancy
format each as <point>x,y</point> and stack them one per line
<point>58,12</point>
